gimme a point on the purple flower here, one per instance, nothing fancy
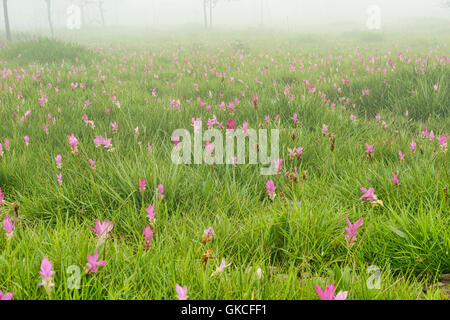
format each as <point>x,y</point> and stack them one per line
<point>6,296</point>
<point>181,292</point>
<point>9,227</point>
<point>328,293</point>
<point>352,230</point>
<point>93,263</point>
<point>148,236</point>
<point>102,229</point>
<point>270,188</point>
<point>46,274</point>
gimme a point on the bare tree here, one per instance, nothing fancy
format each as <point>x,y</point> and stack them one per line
<point>210,12</point>
<point>5,11</point>
<point>205,14</point>
<point>262,13</point>
<point>102,15</point>
<point>87,7</point>
<point>49,16</point>
<point>212,4</point>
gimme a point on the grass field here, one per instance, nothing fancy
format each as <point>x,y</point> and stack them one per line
<point>367,89</point>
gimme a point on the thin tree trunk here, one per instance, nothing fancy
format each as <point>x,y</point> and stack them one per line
<point>262,13</point>
<point>5,11</point>
<point>49,16</point>
<point>100,6</point>
<point>83,17</point>
<point>205,15</point>
<point>210,13</point>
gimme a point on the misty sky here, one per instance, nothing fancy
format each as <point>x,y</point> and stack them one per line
<point>31,14</point>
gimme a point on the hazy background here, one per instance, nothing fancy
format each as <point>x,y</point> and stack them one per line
<point>31,15</point>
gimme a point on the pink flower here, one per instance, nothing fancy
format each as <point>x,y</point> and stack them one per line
<point>401,155</point>
<point>148,236</point>
<point>58,160</point>
<point>93,264</point>
<point>244,127</point>
<point>88,122</point>
<point>181,292</point>
<point>151,214</point>
<point>102,229</point>
<point>2,196</point>
<point>424,133</point>
<point>161,191</point>
<point>395,179</point>
<point>73,142</point>
<point>328,293</point>
<point>270,188</point>
<point>352,230</point>
<point>6,296</point>
<point>9,227</point>
<point>59,177</point>
<point>46,273</point>
<point>378,117</point>
<point>114,127</point>
<point>279,165</point>
<point>92,163</point>
<point>231,124</point>
<point>413,147</point>
<point>27,140</point>
<point>299,151</point>
<point>176,140</point>
<point>255,101</point>
<point>295,118</point>
<point>209,147</point>
<point>324,129</point>
<point>369,150</point>
<point>208,235</point>
<point>141,185</point>
<point>368,194</point>
<point>435,87</point>
<point>103,141</point>
<point>220,268</point>
<point>443,140</point>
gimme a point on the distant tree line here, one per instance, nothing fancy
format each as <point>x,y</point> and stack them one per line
<point>208,6</point>
<point>82,3</point>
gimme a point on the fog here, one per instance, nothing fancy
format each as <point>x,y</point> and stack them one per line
<point>281,14</point>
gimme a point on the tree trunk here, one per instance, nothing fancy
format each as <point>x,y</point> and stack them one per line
<point>83,17</point>
<point>49,16</point>
<point>210,13</point>
<point>205,15</point>
<point>262,13</point>
<point>5,11</point>
<point>100,6</point>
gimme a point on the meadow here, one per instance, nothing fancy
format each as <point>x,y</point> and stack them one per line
<point>85,167</point>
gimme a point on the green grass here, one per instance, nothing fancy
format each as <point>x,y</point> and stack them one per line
<point>295,246</point>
